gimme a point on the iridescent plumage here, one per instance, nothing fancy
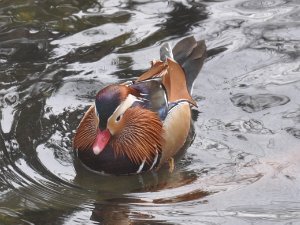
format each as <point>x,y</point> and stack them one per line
<point>138,126</point>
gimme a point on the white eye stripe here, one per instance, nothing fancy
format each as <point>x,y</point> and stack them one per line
<point>126,104</point>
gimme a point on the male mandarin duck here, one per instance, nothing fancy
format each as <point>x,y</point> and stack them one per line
<point>140,125</point>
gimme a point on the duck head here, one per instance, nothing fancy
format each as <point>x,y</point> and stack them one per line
<point>106,103</point>
<point>118,132</point>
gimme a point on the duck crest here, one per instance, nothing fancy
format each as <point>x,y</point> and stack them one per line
<point>109,98</point>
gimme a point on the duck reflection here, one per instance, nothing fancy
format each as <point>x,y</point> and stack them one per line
<point>117,196</point>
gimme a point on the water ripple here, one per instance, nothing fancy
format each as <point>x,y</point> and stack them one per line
<point>250,126</point>
<point>293,131</point>
<point>267,4</point>
<point>259,102</point>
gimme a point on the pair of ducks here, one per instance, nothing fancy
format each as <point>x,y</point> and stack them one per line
<point>140,125</point>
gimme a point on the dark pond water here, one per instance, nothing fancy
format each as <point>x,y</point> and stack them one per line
<point>243,166</point>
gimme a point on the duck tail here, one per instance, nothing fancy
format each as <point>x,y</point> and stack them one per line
<point>190,54</point>
<point>166,52</point>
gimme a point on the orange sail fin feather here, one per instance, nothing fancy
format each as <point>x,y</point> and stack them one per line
<point>157,68</point>
<point>175,84</point>
<point>173,80</point>
<point>140,126</point>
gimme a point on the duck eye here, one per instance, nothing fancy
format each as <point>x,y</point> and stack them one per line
<point>118,118</point>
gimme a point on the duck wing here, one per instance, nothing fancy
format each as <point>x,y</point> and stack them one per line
<point>153,96</point>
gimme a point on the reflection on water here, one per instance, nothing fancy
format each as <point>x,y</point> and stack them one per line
<point>242,166</point>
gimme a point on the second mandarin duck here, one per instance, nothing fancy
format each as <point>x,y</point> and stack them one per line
<point>140,125</point>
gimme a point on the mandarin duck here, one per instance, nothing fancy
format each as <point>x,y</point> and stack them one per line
<point>140,125</point>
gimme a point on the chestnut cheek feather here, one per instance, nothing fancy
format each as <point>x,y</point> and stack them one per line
<point>141,137</point>
<point>86,132</point>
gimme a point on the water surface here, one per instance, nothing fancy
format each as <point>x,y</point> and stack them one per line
<point>243,166</point>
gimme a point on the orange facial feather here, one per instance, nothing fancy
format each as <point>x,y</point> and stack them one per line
<point>87,130</point>
<point>141,135</point>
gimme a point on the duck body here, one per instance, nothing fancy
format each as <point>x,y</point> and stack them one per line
<point>139,125</point>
